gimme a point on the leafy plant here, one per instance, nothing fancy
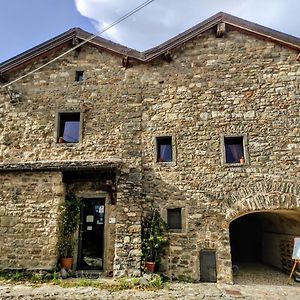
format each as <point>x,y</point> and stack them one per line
<point>154,237</point>
<point>69,220</point>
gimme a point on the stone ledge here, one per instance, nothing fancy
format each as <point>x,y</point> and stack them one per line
<point>61,165</point>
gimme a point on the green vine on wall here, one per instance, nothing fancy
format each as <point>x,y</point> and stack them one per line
<point>154,237</point>
<point>68,224</point>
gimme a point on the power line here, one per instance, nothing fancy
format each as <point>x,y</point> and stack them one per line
<point>130,13</point>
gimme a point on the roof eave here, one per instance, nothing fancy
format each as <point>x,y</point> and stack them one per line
<point>36,51</point>
<point>238,23</point>
<point>146,56</point>
<point>64,38</point>
<point>262,31</point>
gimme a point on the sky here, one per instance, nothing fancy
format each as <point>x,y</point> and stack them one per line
<point>27,23</point>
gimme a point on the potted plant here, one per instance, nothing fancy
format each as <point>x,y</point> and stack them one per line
<point>154,240</point>
<point>68,223</point>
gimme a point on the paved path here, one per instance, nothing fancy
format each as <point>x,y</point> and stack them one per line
<point>174,291</point>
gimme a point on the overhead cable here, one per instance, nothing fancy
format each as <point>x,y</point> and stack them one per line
<point>130,13</point>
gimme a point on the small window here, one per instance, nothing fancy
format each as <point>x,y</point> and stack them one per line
<point>174,219</point>
<point>234,150</point>
<point>79,76</point>
<point>68,127</point>
<point>164,149</point>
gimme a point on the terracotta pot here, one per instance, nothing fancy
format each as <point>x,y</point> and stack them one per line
<point>242,160</point>
<point>150,266</point>
<point>61,140</point>
<point>66,263</point>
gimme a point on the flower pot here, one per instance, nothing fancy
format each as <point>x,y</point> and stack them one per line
<point>242,160</point>
<point>66,263</point>
<point>61,140</point>
<point>150,266</point>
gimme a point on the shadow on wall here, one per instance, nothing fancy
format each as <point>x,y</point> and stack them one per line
<point>199,226</point>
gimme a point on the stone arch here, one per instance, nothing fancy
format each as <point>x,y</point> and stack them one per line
<point>265,196</point>
<point>262,241</point>
<point>264,199</point>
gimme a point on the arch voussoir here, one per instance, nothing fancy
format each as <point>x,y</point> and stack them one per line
<point>262,197</point>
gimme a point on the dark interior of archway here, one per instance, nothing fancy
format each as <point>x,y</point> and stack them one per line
<point>245,239</point>
<point>262,244</point>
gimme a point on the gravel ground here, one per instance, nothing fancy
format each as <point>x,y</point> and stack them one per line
<point>187,291</point>
<point>256,273</point>
<point>253,281</point>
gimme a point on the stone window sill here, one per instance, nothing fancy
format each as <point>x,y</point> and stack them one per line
<point>228,165</point>
<point>166,164</point>
<point>175,230</point>
<point>179,232</point>
<point>78,82</point>
<point>67,144</point>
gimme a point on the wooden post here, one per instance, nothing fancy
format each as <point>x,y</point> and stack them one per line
<point>293,269</point>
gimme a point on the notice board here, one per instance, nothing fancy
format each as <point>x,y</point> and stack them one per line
<point>296,250</point>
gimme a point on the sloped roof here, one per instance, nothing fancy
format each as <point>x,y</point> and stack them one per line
<point>233,22</point>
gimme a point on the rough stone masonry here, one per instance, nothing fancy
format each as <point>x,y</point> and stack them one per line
<point>211,88</point>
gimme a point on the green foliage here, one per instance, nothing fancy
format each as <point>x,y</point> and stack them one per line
<point>69,220</point>
<point>27,276</point>
<point>41,277</point>
<point>154,237</point>
<point>156,282</point>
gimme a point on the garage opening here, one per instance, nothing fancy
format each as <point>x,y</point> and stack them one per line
<point>262,244</point>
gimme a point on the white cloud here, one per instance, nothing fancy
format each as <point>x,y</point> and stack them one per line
<point>163,19</point>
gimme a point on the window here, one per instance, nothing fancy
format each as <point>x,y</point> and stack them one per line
<point>174,218</point>
<point>68,127</point>
<point>164,149</point>
<point>79,76</point>
<point>234,150</point>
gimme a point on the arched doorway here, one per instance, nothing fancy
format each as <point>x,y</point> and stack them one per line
<point>262,242</point>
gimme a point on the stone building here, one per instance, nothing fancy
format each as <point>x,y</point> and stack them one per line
<point>204,127</point>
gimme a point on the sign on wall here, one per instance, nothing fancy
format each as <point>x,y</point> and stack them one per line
<point>296,250</point>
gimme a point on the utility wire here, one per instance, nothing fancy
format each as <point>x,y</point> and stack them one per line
<point>130,13</point>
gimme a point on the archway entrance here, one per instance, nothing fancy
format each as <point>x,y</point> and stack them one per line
<point>261,245</point>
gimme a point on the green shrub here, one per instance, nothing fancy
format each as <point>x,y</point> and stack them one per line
<point>154,237</point>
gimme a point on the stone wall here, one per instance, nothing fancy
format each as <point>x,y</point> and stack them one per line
<point>28,219</point>
<point>110,101</point>
<point>235,85</point>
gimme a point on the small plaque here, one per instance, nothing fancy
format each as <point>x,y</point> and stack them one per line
<point>101,209</point>
<point>89,228</point>
<point>112,220</point>
<point>90,218</point>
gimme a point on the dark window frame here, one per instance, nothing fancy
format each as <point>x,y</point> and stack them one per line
<point>168,142</point>
<point>234,150</point>
<point>178,213</point>
<point>79,75</point>
<point>68,116</point>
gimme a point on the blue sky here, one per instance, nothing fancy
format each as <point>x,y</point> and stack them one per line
<point>27,23</point>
